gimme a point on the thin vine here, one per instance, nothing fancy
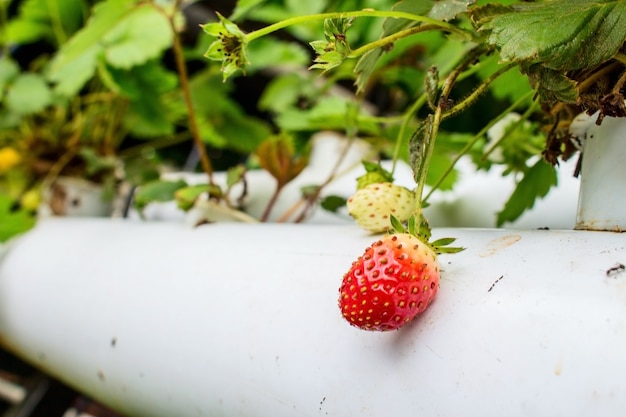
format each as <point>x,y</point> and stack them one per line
<point>181,68</point>
<point>360,13</point>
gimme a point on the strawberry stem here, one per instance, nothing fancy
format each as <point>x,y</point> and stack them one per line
<point>181,68</point>
<point>441,111</point>
<point>407,117</point>
<point>423,145</point>
<point>359,13</point>
<point>429,137</point>
<point>271,203</point>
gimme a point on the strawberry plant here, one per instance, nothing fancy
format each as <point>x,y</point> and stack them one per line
<point>547,60</point>
<point>463,53</point>
<point>421,81</point>
<point>89,87</point>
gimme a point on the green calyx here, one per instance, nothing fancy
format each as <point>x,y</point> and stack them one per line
<point>420,228</point>
<point>230,46</point>
<point>374,174</point>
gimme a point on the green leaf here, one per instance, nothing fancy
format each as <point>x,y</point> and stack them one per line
<point>365,67</point>
<point>299,7</point>
<point>374,173</point>
<point>449,249</point>
<point>332,52</point>
<point>447,10</point>
<point>8,71</point>
<point>186,197</point>
<point>235,174</point>
<point>484,13</point>
<point>536,183</point>
<point>13,222</point>
<point>431,86</point>
<point>76,61</point>
<point>8,119</point>
<point>282,93</point>
<point>268,52</point>
<point>72,77</point>
<point>146,119</point>
<point>416,7</point>
<point>143,82</point>
<point>277,155</point>
<point>243,7</point>
<point>327,113</point>
<point>140,170</point>
<point>509,86</point>
<point>396,225</point>
<point>551,85</point>
<point>445,241</point>
<point>97,163</point>
<point>221,120</point>
<point>28,93</point>
<point>412,226</point>
<point>45,20</point>
<point>332,203</point>
<point>270,13</point>
<point>443,245</point>
<point>120,32</point>
<point>423,228</point>
<point>367,63</point>
<point>418,145</point>
<point>142,35</point>
<point>157,191</point>
<point>560,34</point>
<point>146,86</point>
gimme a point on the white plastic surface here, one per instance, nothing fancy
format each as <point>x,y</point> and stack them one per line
<point>162,320</point>
<point>602,200</point>
<point>475,201</point>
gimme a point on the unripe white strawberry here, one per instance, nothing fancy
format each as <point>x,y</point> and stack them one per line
<point>372,205</point>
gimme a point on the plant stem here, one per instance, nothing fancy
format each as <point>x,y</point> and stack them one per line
<point>437,117</point>
<point>270,204</point>
<point>333,174</point>
<point>181,68</point>
<point>619,84</point>
<point>4,51</point>
<point>621,57</point>
<point>422,169</point>
<point>585,84</point>
<point>291,210</point>
<point>154,144</point>
<point>390,39</point>
<point>408,116</point>
<point>473,141</point>
<point>361,13</point>
<point>441,113</point>
<point>524,117</point>
<point>57,25</point>
<point>469,100</point>
<point>72,150</point>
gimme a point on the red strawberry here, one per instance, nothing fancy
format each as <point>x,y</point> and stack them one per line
<point>393,281</point>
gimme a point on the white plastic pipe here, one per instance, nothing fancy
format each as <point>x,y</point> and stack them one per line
<point>157,319</point>
<point>602,201</point>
